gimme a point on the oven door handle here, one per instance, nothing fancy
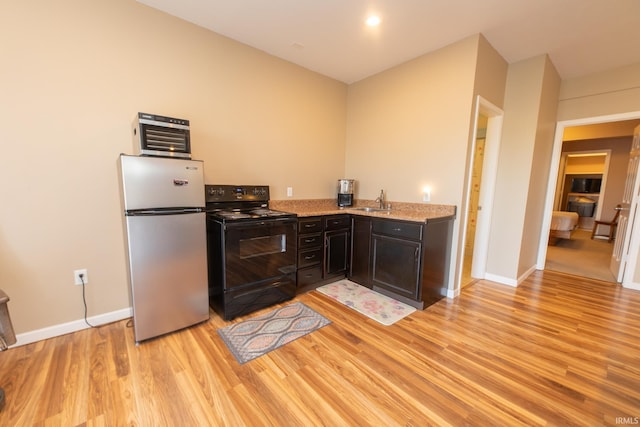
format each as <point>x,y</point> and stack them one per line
<point>261,223</point>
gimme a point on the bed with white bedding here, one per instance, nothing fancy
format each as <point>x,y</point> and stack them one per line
<point>562,224</point>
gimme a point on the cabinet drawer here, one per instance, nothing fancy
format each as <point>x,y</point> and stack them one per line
<point>309,257</point>
<point>336,222</point>
<point>309,275</point>
<point>309,240</point>
<point>400,229</point>
<point>310,225</point>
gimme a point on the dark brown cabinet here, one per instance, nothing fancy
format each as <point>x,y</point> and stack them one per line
<point>410,261</point>
<point>310,251</point>
<point>359,270</point>
<point>323,249</point>
<point>336,242</point>
<point>406,260</point>
<point>395,265</point>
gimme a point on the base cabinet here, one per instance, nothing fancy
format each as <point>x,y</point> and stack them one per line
<point>406,260</point>
<point>410,261</point>
<point>359,270</point>
<point>395,265</point>
<point>323,250</point>
<point>337,234</point>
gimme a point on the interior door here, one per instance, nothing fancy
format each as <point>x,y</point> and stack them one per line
<point>628,211</point>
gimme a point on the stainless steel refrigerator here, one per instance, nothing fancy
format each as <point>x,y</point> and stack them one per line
<point>165,229</point>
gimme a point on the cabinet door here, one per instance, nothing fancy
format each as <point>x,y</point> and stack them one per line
<point>360,250</point>
<point>395,265</point>
<point>337,252</point>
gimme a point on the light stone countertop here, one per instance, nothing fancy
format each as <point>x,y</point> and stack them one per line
<point>417,212</point>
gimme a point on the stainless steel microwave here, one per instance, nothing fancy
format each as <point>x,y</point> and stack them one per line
<point>155,135</point>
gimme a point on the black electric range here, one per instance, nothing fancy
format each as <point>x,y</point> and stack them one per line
<point>251,250</point>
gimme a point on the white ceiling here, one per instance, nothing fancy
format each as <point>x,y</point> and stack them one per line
<point>330,37</point>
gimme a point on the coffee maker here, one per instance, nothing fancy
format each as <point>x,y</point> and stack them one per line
<point>345,192</point>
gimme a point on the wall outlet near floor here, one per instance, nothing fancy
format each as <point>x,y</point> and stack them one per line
<point>77,279</point>
<point>289,191</point>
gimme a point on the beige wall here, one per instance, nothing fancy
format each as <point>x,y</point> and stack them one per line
<point>408,127</point>
<point>600,130</point>
<point>540,167</point>
<point>411,126</point>
<point>610,92</point>
<point>525,151</point>
<point>585,164</point>
<point>74,74</point>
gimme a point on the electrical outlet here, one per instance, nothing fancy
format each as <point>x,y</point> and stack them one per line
<point>77,279</point>
<point>289,191</point>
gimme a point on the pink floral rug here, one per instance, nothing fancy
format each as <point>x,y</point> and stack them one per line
<point>378,307</point>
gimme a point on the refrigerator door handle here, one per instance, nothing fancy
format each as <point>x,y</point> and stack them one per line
<point>152,212</point>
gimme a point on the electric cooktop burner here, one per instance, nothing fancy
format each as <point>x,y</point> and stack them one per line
<point>254,213</point>
<point>240,202</point>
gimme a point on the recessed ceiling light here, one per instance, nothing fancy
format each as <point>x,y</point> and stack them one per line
<point>373,21</point>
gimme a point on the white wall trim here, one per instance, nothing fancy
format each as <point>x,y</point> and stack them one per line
<point>74,326</point>
<point>508,280</point>
<point>453,293</point>
<point>526,274</point>
<point>501,279</point>
<point>487,191</point>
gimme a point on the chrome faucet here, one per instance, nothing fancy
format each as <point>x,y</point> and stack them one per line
<point>380,199</point>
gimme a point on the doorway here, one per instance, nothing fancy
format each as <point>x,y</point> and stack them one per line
<point>474,199</point>
<point>480,187</point>
<point>606,209</point>
<point>581,188</point>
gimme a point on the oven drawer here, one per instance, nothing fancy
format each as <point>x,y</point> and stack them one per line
<point>309,275</point>
<point>310,225</point>
<point>309,240</point>
<point>259,295</point>
<point>309,257</point>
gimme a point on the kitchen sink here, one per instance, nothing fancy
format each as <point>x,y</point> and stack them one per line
<point>367,209</point>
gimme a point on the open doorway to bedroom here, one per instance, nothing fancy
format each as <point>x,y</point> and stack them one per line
<point>590,183</point>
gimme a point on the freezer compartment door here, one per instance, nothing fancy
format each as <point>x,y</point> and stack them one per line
<point>168,272</point>
<point>156,182</point>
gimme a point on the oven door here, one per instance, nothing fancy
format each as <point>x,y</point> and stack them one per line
<point>259,250</point>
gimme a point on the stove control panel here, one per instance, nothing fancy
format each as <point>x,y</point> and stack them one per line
<point>234,193</point>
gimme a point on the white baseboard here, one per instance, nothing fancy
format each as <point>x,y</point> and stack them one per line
<point>67,328</point>
<point>634,286</point>
<point>508,280</point>
<point>501,279</point>
<point>527,273</point>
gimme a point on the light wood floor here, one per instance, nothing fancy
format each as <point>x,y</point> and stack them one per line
<point>557,350</point>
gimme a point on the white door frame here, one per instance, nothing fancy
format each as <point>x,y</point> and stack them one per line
<point>487,189</point>
<point>553,174</point>
<point>631,242</point>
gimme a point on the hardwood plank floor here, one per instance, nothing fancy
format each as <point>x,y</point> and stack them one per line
<point>557,350</point>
